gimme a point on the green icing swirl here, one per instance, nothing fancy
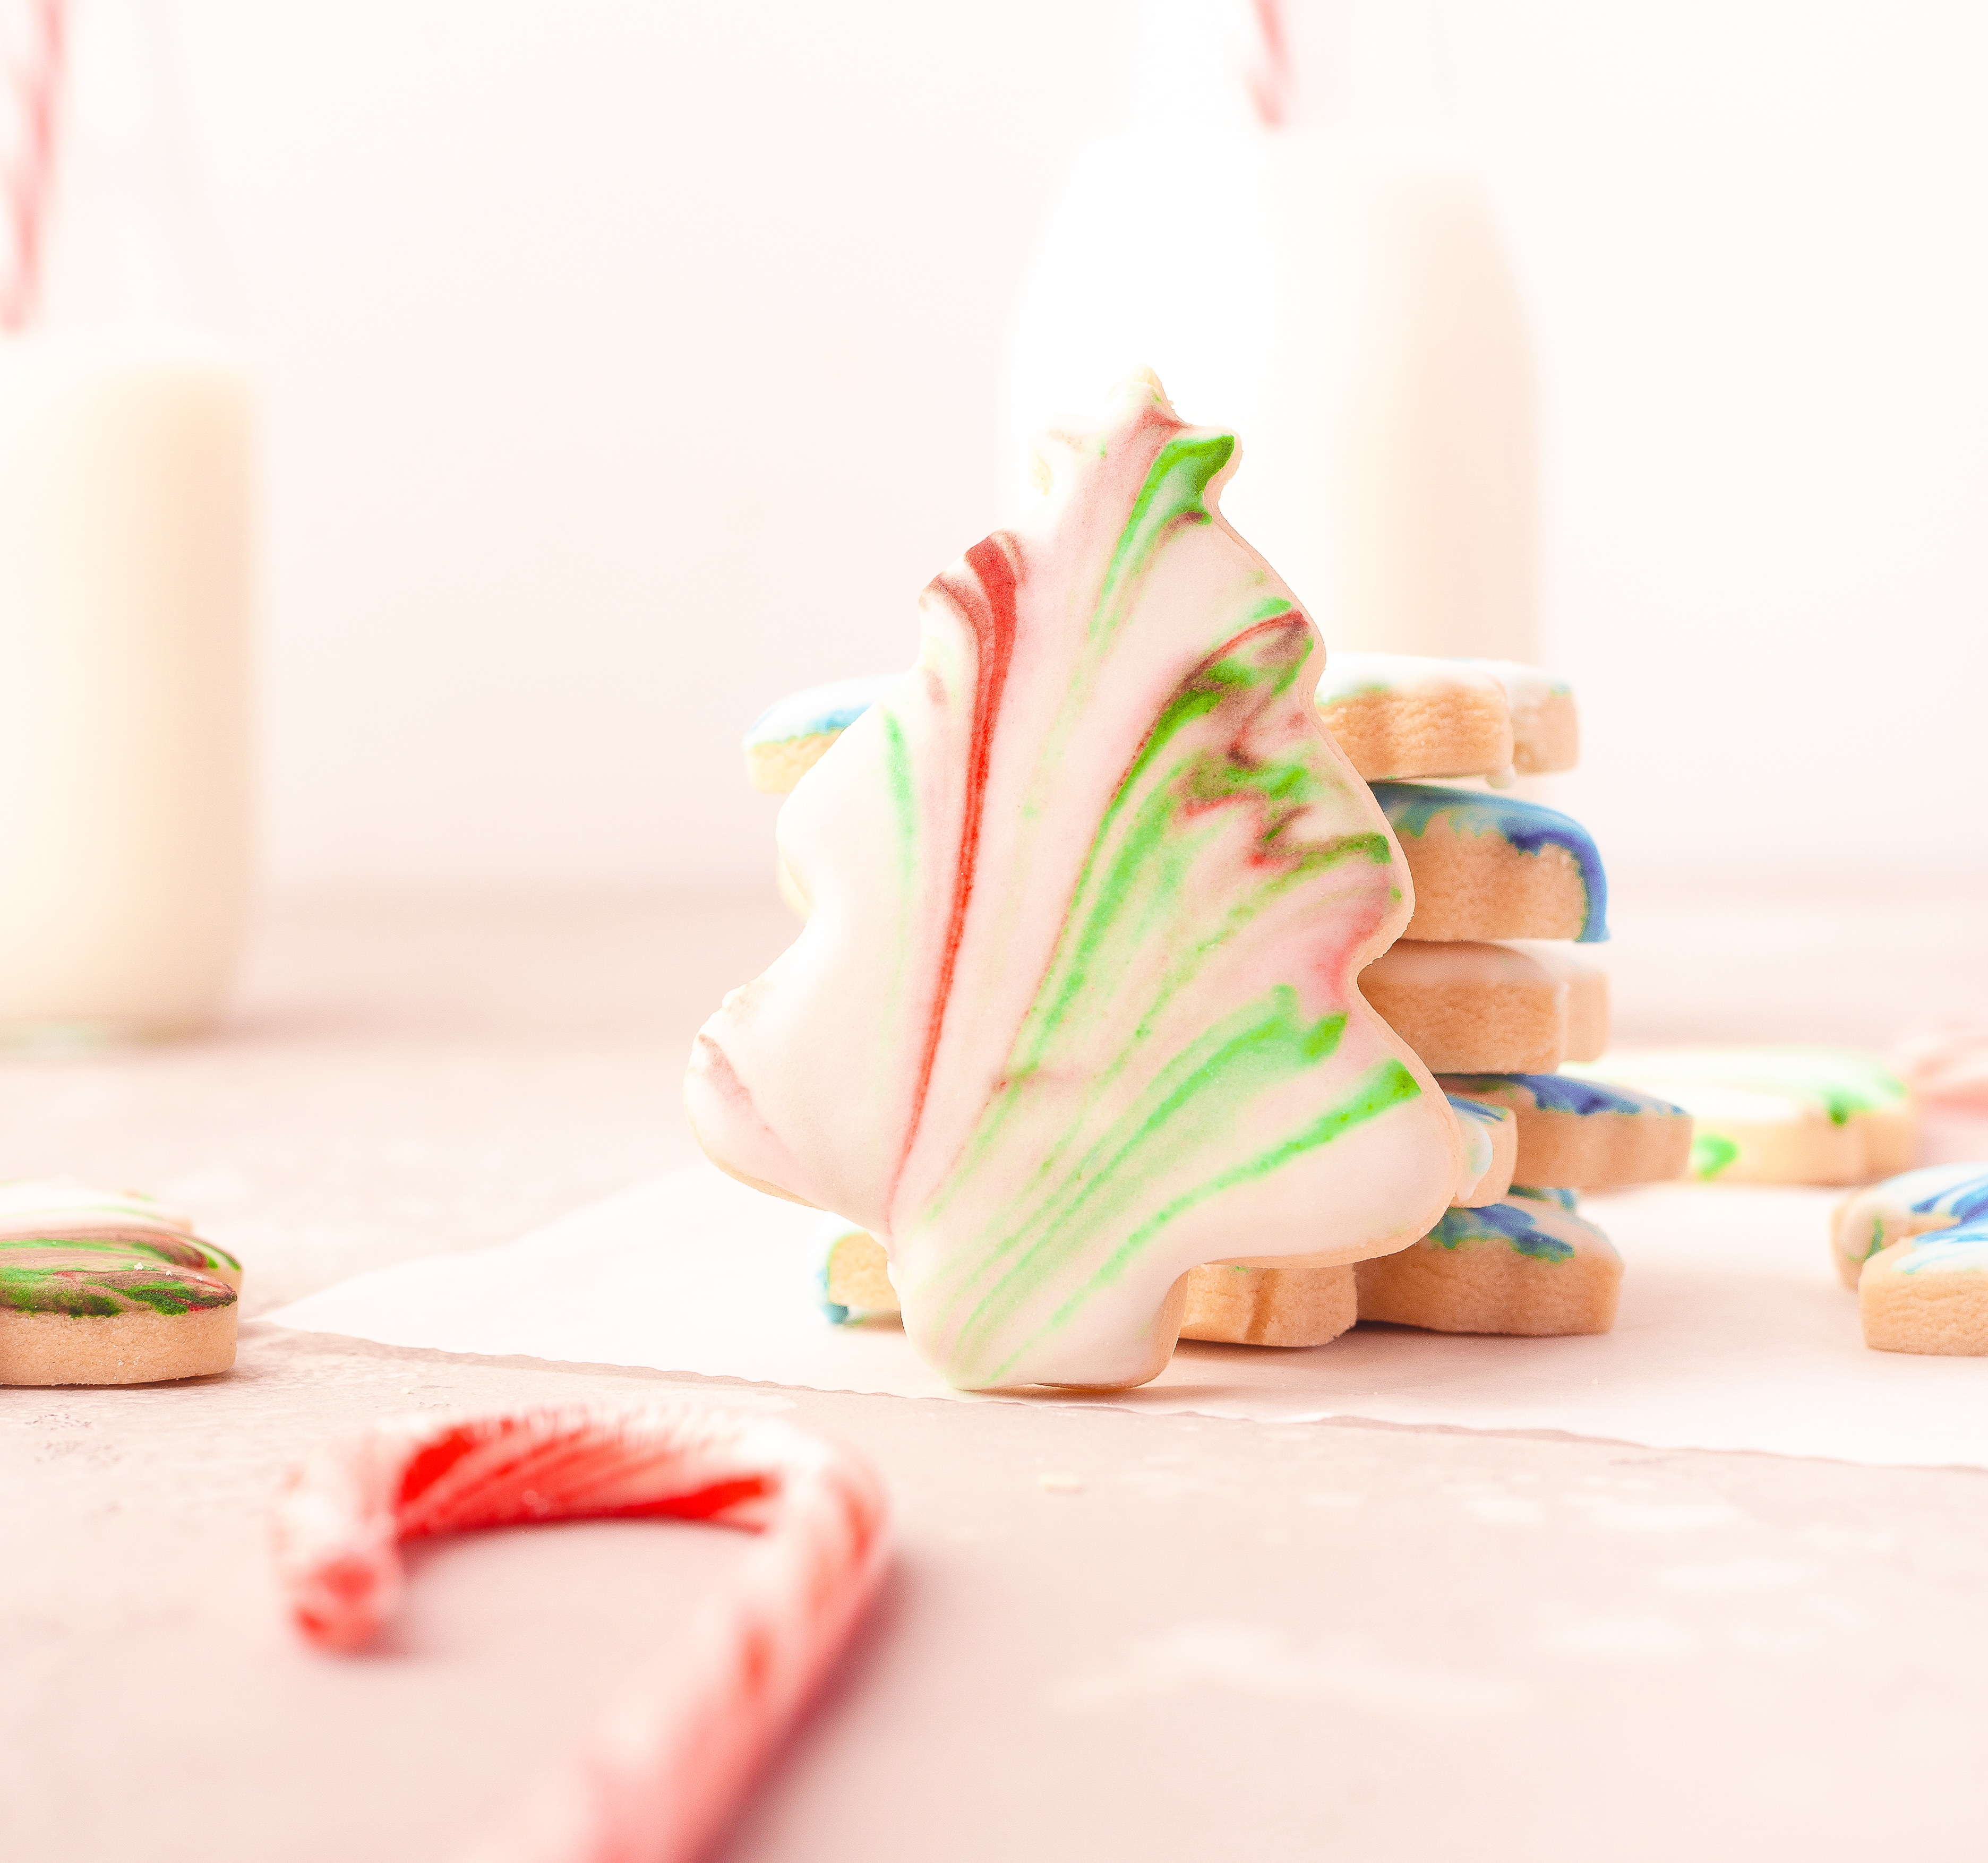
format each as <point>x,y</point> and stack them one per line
<point>102,1293</point>
<point>1142,889</point>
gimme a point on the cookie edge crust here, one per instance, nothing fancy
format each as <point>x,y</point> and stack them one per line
<point>128,1348</point>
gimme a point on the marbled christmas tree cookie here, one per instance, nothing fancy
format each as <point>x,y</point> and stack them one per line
<point>1074,1009</point>
<point>1289,1303</point>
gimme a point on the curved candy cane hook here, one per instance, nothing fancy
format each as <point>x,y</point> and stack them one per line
<point>681,1744</point>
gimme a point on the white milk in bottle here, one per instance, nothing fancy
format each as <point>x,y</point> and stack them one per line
<point>126,464</point>
<point>1334,287</point>
<point>124,596</point>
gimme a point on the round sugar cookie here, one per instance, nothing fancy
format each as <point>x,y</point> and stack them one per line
<point>1929,1295</point>
<point>1575,1134</point>
<point>1769,1115</point>
<point>1298,1304</point>
<point>1491,1143</point>
<point>1546,724</point>
<point>1487,866</point>
<point>1933,1197</point>
<point>1472,1007</point>
<point>108,1287</point>
<point>1585,1026</point>
<point>1399,716</point>
<point>111,1310</point>
<point>852,1273</point>
<point>791,736</point>
<point>1528,1265</point>
<point>1408,715</point>
<point>55,1206</point>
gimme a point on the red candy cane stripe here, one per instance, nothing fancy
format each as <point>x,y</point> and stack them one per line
<point>1271,82</point>
<point>678,1749</point>
<point>32,80</point>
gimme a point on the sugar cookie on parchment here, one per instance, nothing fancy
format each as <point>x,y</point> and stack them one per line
<point>1929,1295</point>
<point>1525,1266</point>
<point>1915,1202</point>
<point>1576,1134</point>
<point>1769,1115</point>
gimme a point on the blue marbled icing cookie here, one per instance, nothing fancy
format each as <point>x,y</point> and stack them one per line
<point>1414,808</point>
<point>1490,1138</point>
<point>821,708</point>
<point>1947,1198</point>
<point>1526,1264</point>
<point>791,735</point>
<point>1579,1134</point>
<point>1558,1093</point>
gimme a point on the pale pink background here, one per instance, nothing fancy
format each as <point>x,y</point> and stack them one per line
<point>631,363</point>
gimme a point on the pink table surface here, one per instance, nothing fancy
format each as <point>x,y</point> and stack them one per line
<point>1110,1635</point>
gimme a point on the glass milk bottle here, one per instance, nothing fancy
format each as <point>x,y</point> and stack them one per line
<point>1272,216</point>
<point>126,461</point>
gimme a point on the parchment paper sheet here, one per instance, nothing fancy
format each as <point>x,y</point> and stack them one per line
<point>1734,1333</point>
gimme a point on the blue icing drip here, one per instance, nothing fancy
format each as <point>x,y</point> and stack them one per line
<point>1966,1203</point>
<point>834,707</point>
<point>1500,1222</point>
<point>1567,1199</point>
<point>1410,807</point>
<point>1473,1109</point>
<point>1561,1092</point>
<point>1965,1248</point>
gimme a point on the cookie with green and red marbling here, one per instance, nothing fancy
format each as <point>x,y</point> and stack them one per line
<point>132,1310</point>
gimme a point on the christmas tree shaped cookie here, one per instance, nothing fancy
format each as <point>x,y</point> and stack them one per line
<point>1074,1010</point>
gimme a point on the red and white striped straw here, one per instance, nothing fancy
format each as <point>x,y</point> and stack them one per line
<point>30,89</point>
<point>1273,87</point>
<point>658,1779</point>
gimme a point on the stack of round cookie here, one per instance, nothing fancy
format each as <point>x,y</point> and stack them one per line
<point>1485,987</point>
<point>1488,988</point>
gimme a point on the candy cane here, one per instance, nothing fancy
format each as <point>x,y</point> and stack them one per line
<point>34,78</point>
<point>1271,82</point>
<point>681,1745</point>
